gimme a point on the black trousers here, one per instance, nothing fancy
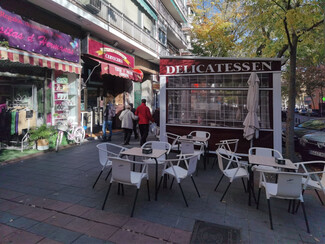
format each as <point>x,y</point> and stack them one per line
<point>127,135</point>
<point>135,123</point>
<point>144,130</point>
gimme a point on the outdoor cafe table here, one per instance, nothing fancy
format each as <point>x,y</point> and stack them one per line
<point>156,153</point>
<point>202,140</point>
<point>265,161</point>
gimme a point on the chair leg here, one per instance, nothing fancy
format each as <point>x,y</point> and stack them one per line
<point>160,183</point>
<point>298,204</point>
<point>109,188</point>
<point>148,190</point>
<point>180,187</point>
<point>215,189</point>
<point>258,197</point>
<point>214,162</point>
<point>305,216</point>
<point>319,197</point>
<point>242,179</point>
<point>122,187</point>
<point>118,188</point>
<point>135,199</point>
<point>97,178</point>
<point>171,184</point>
<point>197,191</point>
<point>289,207</point>
<point>293,206</point>
<point>225,192</point>
<point>109,172</point>
<point>270,214</point>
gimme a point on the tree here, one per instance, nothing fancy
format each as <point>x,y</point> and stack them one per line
<point>214,32</point>
<point>311,79</point>
<point>274,28</point>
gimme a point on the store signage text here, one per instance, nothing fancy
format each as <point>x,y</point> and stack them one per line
<point>219,68</point>
<point>31,36</point>
<point>102,50</point>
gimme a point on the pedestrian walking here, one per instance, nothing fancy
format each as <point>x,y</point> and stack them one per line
<point>143,112</point>
<point>135,123</point>
<point>156,116</point>
<point>127,118</point>
<point>109,114</point>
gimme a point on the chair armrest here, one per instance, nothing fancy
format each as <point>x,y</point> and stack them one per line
<point>186,155</point>
<point>315,172</point>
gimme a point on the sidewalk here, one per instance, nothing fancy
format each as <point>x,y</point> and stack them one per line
<point>49,199</point>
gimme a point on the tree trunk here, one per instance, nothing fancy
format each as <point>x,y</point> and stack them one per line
<point>290,146</point>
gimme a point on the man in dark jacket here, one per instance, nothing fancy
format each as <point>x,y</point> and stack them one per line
<point>109,113</point>
<point>143,112</point>
<point>135,123</point>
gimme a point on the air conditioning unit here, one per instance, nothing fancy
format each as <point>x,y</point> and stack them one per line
<point>93,6</point>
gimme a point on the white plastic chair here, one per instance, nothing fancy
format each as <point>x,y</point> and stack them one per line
<point>313,180</point>
<point>105,151</point>
<point>173,138</point>
<point>172,167</point>
<point>122,173</point>
<point>157,145</point>
<point>267,152</point>
<point>288,186</point>
<point>187,148</point>
<point>230,145</point>
<point>203,134</point>
<point>234,169</point>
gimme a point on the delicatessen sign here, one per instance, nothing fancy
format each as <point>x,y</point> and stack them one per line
<point>203,66</point>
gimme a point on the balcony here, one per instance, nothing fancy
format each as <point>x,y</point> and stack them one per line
<point>120,22</point>
<point>173,25</point>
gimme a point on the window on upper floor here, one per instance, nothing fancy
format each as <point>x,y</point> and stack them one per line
<point>162,37</point>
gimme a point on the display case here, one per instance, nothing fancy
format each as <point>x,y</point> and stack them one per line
<point>64,100</point>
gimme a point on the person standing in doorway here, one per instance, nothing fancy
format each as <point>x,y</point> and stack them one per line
<point>109,114</point>
<point>127,118</point>
<point>135,123</point>
<point>143,112</point>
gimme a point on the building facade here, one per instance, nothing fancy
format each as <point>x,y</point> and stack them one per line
<point>130,36</point>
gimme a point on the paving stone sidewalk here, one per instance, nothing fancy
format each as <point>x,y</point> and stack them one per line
<point>49,199</point>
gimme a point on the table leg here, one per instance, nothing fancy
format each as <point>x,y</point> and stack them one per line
<point>205,158</point>
<point>156,184</point>
<point>249,185</point>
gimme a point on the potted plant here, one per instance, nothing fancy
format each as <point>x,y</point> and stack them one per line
<point>41,136</point>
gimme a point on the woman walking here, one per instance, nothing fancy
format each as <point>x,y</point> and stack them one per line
<point>127,118</point>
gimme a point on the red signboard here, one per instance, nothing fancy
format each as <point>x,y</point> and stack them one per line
<point>103,51</point>
<point>178,66</point>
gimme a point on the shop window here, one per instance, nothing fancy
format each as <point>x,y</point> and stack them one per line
<point>214,100</point>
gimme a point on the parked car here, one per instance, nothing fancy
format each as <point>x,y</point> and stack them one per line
<point>314,113</point>
<point>313,146</point>
<point>308,127</point>
<point>303,111</point>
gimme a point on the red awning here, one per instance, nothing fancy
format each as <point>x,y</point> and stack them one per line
<point>116,70</point>
<point>15,55</point>
<point>112,69</point>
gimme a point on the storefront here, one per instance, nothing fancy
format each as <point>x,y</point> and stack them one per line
<point>109,76</point>
<point>210,94</point>
<point>39,76</point>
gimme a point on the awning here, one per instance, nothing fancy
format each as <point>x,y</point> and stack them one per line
<point>24,57</point>
<point>148,9</point>
<point>120,71</point>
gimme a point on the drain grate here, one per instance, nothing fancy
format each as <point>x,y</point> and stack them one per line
<point>205,232</point>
